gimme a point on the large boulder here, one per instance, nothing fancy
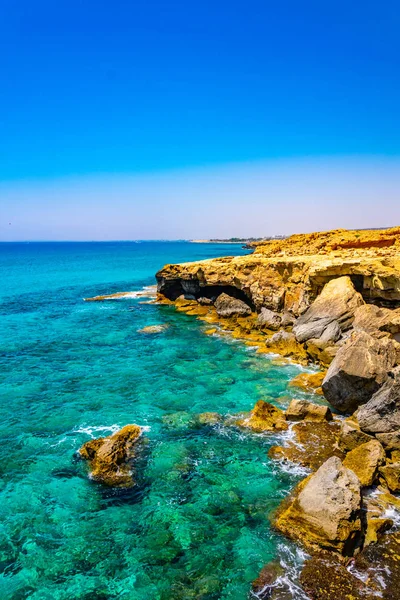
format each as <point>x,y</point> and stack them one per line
<point>326,510</point>
<point>351,436</point>
<point>227,306</point>
<point>358,370</point>
<point>365,461</point>
<point>377,320</point>
<point>381,415</point>
<point>110,458</point>
<point>391,475</point>
<point>269,319</point>
<point>264,417</point>
<point>301,410</point>
<point>334,309</point>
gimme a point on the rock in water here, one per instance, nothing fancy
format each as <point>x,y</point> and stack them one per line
<point>326,510</point>
<point>336,303</point>
<point>358,370</point>
<point>227,306</point>
<point>269,319</point>
<point>382,413</point>
<point>265,417</point>
<point>301,410</point>
<point>365,461</point>
<point>110,457</point>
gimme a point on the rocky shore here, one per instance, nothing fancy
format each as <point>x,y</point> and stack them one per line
<point>332,299</point>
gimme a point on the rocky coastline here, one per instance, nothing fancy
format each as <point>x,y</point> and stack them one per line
<point>331,299</point>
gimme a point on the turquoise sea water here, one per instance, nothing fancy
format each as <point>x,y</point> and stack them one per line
<point>196,525</point>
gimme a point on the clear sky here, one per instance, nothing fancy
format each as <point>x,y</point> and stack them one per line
<point>127,120</point>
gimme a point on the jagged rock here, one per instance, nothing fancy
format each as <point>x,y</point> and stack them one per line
<point>309,382</point>
<point>382,413</point>
<point>321,352</point>
<point>358,370</point>
<point>204,301</point>
<point>351,436</point>
<point>285,344</point>
<point>287,319</point>
<point>390,441</point>
<point>375,320</point>
<point>326,510</point>
<point>227,306</point>
<point>314,442</point>
<point>391,475</point>
<point>265,417</point>
<point>110,458</point>
<point>365,461</point>
<point>301,410</point>
<point>269,319</point>
<point>375,528</point>
<point>334,309</point>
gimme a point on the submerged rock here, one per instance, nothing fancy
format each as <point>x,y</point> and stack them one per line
<point>265,417</point>
<point>365,461</point>
<point>153,329</point>
<point>301,410</point>
<point>309,382</point>
<point>227,306</point>
<point>110,458</point>
<point>326,510</point>
<point>334,309</point>
<point>359,369</point>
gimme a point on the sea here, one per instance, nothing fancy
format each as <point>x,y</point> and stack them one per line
<point>197,524</point>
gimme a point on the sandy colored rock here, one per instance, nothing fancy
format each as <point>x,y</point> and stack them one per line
<point>358,370</point>
<point>391,475</point>
<point>325,511</point>
<point>351,436</point>
<point>390,441</point>
<point>377,320</point>
<point>269,319</point>
<point>333,310</point>
<point>149,329</point>
<point>313,444</point>
<point>301,410</point>
<point>265,417</point>
<point>110,458</point>
<point>309,382</point>
<point>365,461</point>
<point>285,344</point>
<point>287,275</point>
<point>382,413</point>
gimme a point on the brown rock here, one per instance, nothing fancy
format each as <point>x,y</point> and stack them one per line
<point>351,436</point>
<point>365,460</point>
<point>375,319</point>
<point>309,382</point>
<point>265,417</point>
<point>314,443</point>
<point>269,319</point>
<point>359,369</point>
<point>391,475</point>
<point>227,306</point>
<point>326,510</point>
<point>390,441</point>
<point>301,410</point>
<point>110,458</point>
<point>382,413</point>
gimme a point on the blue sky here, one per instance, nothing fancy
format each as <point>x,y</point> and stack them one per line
<point>98,97</point>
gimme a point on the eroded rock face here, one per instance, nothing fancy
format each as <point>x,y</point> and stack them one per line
<point>358,370</point>
<point>326,510</point>
<point>110,458</point>
<point>332,312</point>
<point>227,306</point>
<point>301,410</point>
<point>365,461</point>
<point>351,436</point>
<point>265,417</point>
<point>391,475</point>
<point>376,320</point>
<point>382,413</point>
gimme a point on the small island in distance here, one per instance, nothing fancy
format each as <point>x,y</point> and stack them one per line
<point>237,240</point>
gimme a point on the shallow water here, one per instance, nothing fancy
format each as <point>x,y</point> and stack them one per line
<point>196,525</point>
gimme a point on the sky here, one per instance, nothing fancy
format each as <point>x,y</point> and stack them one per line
<point>149,120</point>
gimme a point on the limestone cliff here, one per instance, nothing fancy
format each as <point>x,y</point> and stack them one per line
<point>287,275</point>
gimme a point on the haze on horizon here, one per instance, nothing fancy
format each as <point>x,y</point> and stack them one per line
<point>177,120</point>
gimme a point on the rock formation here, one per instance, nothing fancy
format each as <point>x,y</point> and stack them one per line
<point>300,410</point>
<point>264,417</point>
<point>110,458</point>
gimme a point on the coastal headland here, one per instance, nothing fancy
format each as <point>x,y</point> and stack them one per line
<point>331,299</point>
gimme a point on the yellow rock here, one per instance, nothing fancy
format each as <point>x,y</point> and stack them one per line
<point>365,461</point>
<point>309,382</point>
<point>264,417</point>
<point>211,331</point>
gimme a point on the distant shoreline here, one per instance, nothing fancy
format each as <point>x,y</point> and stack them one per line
<point>216,242</point>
